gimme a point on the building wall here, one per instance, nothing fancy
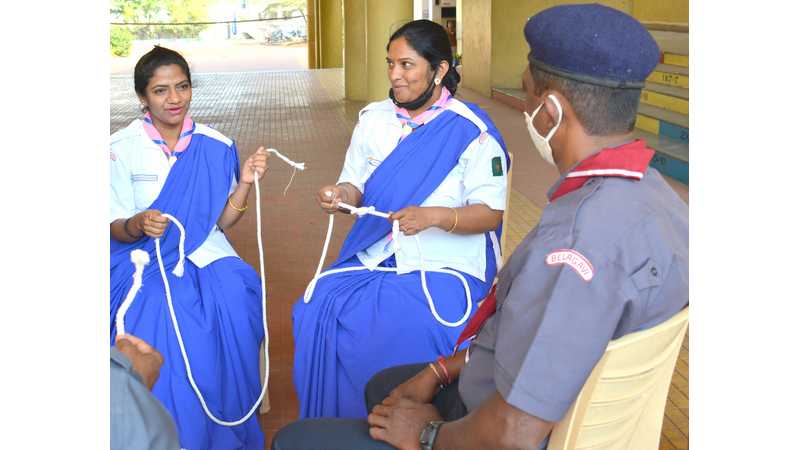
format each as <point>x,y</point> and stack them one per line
<point>672,12</point>
<point>477,45</point>
<point>509,49</point>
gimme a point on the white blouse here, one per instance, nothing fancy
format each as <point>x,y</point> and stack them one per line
<point>472,181</point>
<point>139,169</point>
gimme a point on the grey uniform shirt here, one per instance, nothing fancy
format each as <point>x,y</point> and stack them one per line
<point>607,259</point>
<point>138,420</point>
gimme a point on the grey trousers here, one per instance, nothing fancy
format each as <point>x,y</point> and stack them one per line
<point>353,434</point>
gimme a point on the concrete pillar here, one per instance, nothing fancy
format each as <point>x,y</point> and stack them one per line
<point>477,44</point>
<point>459,27</point>
<point>355,49</point>
<point>368,25</point>
<point>383,19</point>
<point>313,35</point>
<point>331,33</point>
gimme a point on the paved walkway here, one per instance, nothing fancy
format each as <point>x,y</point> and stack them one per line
<point>305,116</point>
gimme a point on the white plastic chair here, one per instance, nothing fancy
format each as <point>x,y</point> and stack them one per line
<point>621,405</point>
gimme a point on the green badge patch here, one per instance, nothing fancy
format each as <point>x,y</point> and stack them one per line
<point>497,167</point>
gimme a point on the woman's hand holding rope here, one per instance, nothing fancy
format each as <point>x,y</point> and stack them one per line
<point>329,197</point>
<point>151,223</point>
<point>414,219</point>
<point>257,162</point>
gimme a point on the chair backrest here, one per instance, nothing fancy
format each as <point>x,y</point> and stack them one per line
<point>504,237</point>
<point>621,405</point>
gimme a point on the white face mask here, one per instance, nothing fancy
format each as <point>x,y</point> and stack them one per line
<point>542,143</point>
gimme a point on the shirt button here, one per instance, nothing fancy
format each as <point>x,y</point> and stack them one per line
<point>654,271</point>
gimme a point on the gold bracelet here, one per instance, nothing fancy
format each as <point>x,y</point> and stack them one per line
<point>243,209</point>
<point>455,222</point>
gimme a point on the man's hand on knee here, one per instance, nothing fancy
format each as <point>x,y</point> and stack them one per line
<point>399,422</point>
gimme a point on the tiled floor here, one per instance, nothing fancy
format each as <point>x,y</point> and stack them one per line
<point>304,115</point>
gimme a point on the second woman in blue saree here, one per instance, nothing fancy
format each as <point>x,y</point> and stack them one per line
<point>440,165</point>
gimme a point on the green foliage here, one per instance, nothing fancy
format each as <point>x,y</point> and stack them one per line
<point>177,11</point>
<point>121,41</point>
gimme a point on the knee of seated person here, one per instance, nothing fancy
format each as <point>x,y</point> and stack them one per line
<point>327,433</point>
<point>286,437</point>
<point>378,388</point>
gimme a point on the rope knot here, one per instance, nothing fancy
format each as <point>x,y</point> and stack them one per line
<point>362,211</point>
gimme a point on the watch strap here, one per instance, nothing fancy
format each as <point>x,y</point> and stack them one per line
<point>428,435</point>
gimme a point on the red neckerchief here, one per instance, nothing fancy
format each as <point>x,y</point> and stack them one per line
<point>486,310</point>
<point>625,161</point>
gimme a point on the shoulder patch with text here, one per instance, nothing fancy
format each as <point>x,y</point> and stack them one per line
<point>574,259</point>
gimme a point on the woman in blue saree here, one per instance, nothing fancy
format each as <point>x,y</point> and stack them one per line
<point>440,166</point>
<point>167,163</point>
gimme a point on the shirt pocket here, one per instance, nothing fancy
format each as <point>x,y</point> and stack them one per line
<point>648,276</point>
<point>647,281</point>
<point>371,165</point>
<point>146,187</point>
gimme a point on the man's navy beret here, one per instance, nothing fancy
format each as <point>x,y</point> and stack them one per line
<point>592,43</point>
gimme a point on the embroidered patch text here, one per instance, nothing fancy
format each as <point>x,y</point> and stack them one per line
<point>574,259</point>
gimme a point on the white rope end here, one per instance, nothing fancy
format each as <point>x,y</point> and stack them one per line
<point>309,291</point>
<point>178,270</point>
<point>296,165</point>
<point>396,235</point>
<point>140,257</point>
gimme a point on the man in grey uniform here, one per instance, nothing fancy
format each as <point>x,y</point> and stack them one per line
<point>138,420</point>
<point>609,257</point>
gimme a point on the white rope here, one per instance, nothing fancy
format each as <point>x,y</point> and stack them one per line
<point>178,272</point>
<point>361,212</point>
<point>297,166</point>
<point>139,258</point>
<point>178,334</point>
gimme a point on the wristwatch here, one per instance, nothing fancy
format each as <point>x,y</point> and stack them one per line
<point>428,434</point>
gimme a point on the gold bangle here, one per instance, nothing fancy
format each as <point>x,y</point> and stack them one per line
<point>455,222</point>
<point>438,377</point>
<point>243,209</point>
